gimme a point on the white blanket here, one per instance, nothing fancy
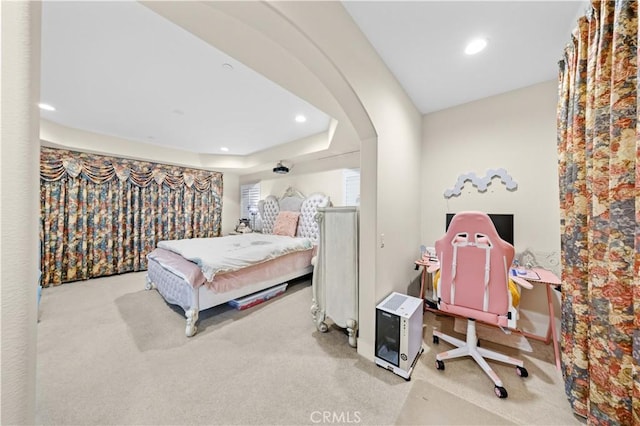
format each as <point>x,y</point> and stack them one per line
<point>225,254</point>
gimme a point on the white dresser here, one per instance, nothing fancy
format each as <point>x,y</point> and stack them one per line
<point>335,276</point>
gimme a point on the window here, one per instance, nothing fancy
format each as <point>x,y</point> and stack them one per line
<point>249,197</point>
<point>351,184</point>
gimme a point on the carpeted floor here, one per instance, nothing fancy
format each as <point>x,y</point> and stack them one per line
<point>110,352</point>
<point>427,405</point>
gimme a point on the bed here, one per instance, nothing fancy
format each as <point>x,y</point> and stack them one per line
<point>200,273</point>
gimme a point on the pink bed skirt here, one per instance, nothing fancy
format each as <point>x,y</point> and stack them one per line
<point>264,271</point>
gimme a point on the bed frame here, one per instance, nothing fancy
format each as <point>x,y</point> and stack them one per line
<point>175,290</point>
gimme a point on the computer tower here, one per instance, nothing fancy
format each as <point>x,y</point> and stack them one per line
<point>399,333</point>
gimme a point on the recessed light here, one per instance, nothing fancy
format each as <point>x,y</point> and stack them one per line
<point>227,66</point>
<point>475,46</point>
<point>301,118</point>
<point>46,107</point>
<point>224,149</point>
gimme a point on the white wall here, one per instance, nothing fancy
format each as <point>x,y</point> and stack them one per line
<point>19,209</point>
<point>230,202</point>
<point>320,175</point>
<point>328,182</point>
<point>58,136</point>
<point>515,131</point>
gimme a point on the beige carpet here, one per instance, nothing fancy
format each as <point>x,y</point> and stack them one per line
<point>110,353</point>
<point>536,400</point>
<point>150,327</point>
<point>429,405</point>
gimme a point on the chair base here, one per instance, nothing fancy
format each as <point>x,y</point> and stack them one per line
<point>470,348</point>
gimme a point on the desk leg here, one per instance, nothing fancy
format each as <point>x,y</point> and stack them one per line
<point>551,332</point>
<point>424,271</point>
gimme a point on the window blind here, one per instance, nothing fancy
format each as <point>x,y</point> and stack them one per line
<point>249,198</point>
<point>351,180</point>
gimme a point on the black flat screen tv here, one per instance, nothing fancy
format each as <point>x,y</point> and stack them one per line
<point>502,222</point>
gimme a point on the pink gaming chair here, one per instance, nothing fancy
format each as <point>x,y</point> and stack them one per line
<point>474,283</point>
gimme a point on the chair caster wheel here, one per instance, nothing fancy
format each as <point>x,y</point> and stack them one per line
<point>522,372</point>
<point>500,392</point>
<point>440,365</point>
<point>436,340</point>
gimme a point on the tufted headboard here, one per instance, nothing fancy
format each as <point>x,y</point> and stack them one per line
<point>294,200</point>
<point>307,225</point>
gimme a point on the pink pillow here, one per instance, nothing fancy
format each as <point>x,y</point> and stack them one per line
<point>286,224</point>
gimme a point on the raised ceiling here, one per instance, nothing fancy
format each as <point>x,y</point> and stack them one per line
<point>120,69</point>
<point>423,42</point>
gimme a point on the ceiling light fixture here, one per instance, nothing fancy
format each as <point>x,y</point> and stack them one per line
<point>46,107</point>
<point>281,169</point>
<point>224,149</point>
<point>301,118</point>
<point>475,46</point>
<point>227,66</point>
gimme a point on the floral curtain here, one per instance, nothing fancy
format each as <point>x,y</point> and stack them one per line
<point>101,215</point>
<point>598,146</point>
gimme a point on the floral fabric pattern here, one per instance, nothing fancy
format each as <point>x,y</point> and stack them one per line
<point>599,148</point>
<point>102,215</point>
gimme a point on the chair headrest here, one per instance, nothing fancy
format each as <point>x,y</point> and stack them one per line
<point>473,228</point>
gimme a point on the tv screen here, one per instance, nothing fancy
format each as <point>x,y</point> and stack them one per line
<point>502,222</point>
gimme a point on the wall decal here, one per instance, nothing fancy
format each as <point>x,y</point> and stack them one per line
<point>549,260</point>
<point>481,182</point>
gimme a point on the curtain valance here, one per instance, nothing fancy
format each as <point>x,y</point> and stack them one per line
<point>102,215</point>
<point>56,163</point>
